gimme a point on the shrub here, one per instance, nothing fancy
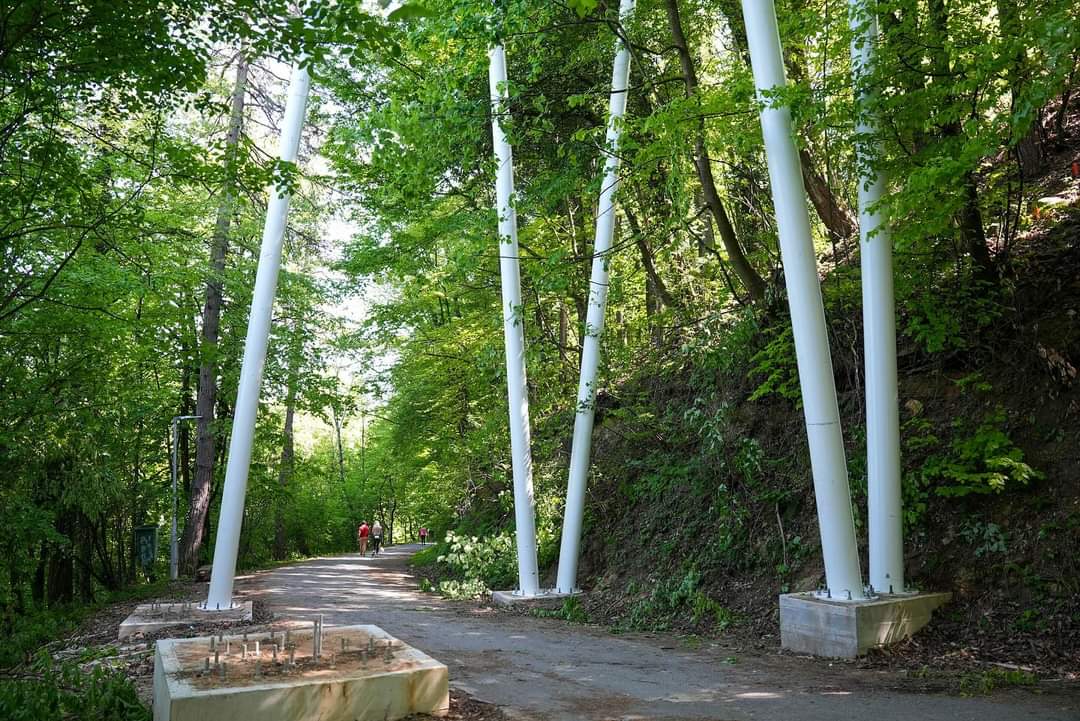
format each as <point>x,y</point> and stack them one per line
<point>490,561</point>
<point>776,362</point>
<point>986,461</point>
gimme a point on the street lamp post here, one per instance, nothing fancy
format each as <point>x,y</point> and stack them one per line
<point>174,555</point>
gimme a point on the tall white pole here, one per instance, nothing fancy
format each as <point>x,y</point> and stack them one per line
<point>879,325</point>
<point>829,465</point>
<point>514,331</point>
<point>258,336</point>
<point>570,550</point>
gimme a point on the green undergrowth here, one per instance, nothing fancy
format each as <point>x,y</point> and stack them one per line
<point>701,501</point>
<point>984,682</point>
<point>671,599</point>
<point>25,634</point>
<point>571,611</point>
<point>44,690</point>
<point>468,566</point>
<point>34,686</point>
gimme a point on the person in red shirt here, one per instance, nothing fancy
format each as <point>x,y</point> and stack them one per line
<point>362,536</point>
<point>423,536</point>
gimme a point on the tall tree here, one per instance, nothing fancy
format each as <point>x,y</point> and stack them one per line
<point>748,276</point>
<point>206,401</point>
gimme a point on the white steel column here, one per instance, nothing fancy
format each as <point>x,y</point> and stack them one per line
<point>879,325</point>
<point>569,551</point>
<point>258,336</point>
<point>514,331</point>
<point>829,465</point>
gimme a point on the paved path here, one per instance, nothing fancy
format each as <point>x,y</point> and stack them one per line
<point>547,670</point>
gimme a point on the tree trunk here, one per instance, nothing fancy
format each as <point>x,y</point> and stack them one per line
<point>287,460</point>
<point>564,338</point>
<point>837,219</point>
<point>972,233</point>
<point>85,582</point>
<point>60,572</point>
<point>1029,148</point>
<point>1062,113</point>
<point>199,503</point>
<point>580,298</point>
<point>340,446</point>
<point>37,585</point>
<point>707,241</point>
<point>184,439</point>
<point>751,280</point>
<point>648,262</point>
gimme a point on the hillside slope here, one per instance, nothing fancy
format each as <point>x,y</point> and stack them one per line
<point>701,509</point>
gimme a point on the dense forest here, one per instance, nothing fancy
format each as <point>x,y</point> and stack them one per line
<point>137,143</point>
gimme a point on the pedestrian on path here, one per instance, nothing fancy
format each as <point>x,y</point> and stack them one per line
<point>362,536</point>
<point>376,538</point>
<point>423,536</point>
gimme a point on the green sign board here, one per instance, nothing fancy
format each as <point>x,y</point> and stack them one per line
<point>146,547</point>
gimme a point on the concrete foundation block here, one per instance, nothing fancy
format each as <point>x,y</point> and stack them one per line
<point>151,617</point>
<point>846,629</point>
<point>361,682</point>
<point>547,598</point>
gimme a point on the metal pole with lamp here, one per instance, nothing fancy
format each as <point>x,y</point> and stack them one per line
<point>174,554</point>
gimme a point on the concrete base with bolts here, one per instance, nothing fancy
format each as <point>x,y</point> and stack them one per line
<point>846,629</point>
<point>547,598</point>
<point>378,688</point>
<point>151,617</point>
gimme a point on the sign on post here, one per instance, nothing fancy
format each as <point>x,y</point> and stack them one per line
<point>146,549</point>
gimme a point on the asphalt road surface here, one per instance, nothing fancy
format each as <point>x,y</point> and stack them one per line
<point>546,669</point>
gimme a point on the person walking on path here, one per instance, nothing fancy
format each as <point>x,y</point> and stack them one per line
<point>362,536</point>
<point>376,538</point>
<point>423,536</point>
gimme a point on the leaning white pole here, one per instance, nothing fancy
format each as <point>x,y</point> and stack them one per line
<point>569,551</point>
<point>258,336</point>
<point>829,466</point>
<point>879,325</point>
<point>514,331</point>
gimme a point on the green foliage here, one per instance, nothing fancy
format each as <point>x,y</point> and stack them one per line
<point>985,682</point>
<point>29,632</point>
<point>112,172</point>
<point>678,599</point>
<point>570,611</point>
<point>981,461</point>
<point>50,691</point>
<point>952,319</point>
<point>463,590</point>
<point>776,363</point>
<point>582,7</point>
<point>489,561</point>
<point>427,556</point>
<point>987,538</point>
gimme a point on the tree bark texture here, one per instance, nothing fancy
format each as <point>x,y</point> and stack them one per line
<point>199,502</point>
